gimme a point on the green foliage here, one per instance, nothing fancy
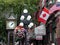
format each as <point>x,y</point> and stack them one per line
<point>3,33</point>
<point>30,4</point>
<point>18,6</point>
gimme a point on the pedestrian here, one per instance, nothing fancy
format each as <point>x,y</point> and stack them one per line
<point>20,34</point>
<point>30,36</point>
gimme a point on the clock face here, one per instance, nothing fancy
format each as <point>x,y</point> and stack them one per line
<point>11,24</point>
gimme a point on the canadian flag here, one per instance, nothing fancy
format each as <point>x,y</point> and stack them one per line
<point>44,15</point>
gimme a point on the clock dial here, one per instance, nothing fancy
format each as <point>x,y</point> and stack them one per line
<point>11,24</point>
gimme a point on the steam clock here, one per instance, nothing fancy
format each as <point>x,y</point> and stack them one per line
<point>11,23</point>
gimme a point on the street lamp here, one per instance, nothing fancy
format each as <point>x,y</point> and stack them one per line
<point>26,19</point>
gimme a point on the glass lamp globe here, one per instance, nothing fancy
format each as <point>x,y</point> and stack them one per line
<point>22,17</point>
<point>25,11</point>
<point>31,24</point>
<point>21,24</point>
<point>29,17</point>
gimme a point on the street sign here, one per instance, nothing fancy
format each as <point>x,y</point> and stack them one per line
<point>39,37</point>
<point>40,30</point>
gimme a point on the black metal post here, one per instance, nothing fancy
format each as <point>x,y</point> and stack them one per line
<point>13,38</point>
<point>8,38</point>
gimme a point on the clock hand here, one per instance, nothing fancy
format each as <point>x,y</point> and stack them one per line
<point>11,24</point>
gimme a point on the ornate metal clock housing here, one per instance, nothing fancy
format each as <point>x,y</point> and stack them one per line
<point>11,23</point>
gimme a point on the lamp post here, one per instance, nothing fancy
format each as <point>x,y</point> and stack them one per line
<point>26,20</point>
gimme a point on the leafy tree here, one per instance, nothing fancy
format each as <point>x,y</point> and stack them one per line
<point>18,6</point>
